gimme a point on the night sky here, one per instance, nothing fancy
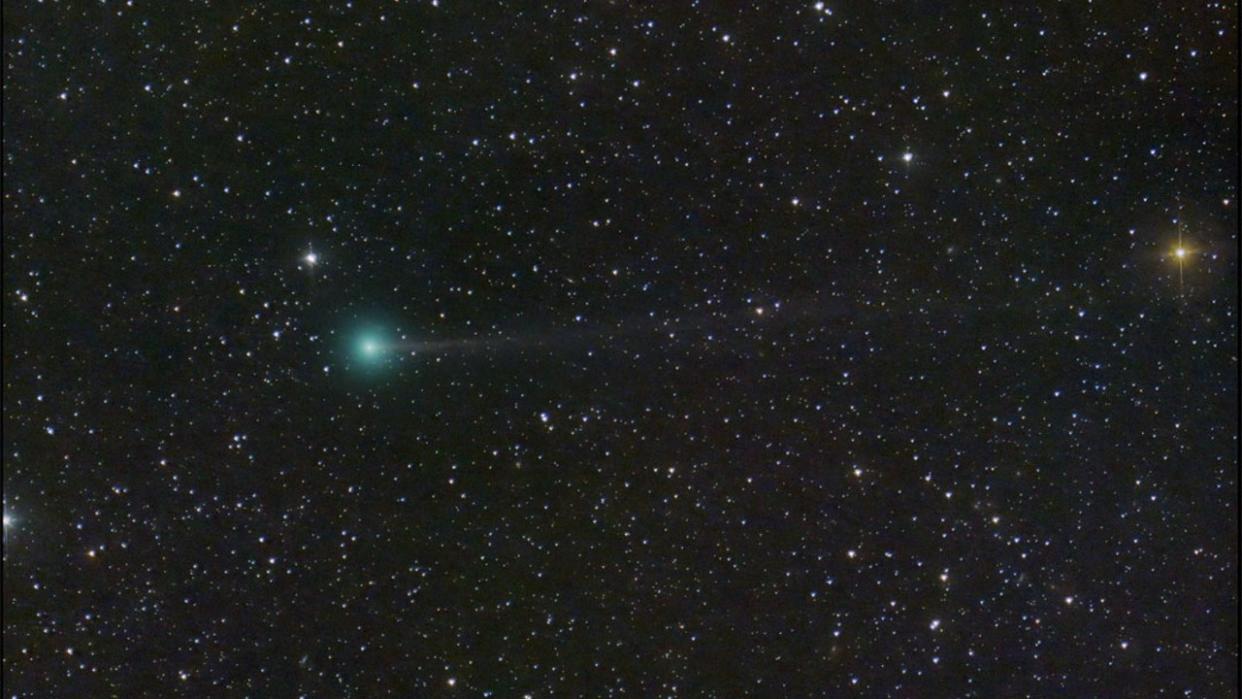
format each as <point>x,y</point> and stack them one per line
<point>678,349</point>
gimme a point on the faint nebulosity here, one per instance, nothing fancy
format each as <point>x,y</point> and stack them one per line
<point>600,349</point>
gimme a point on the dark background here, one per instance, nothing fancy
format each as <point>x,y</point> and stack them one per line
<point>614,475</point>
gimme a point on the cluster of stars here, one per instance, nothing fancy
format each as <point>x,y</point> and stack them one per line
<point>697,349</point>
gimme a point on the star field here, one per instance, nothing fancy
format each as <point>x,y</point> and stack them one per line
<point>686,349</point>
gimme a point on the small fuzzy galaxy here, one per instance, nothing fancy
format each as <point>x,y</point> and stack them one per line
<point>440,348</point>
